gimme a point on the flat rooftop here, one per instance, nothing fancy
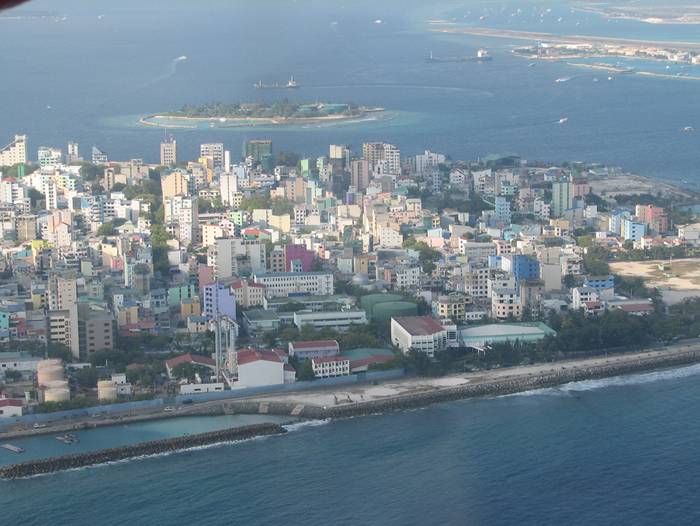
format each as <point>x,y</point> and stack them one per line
<point>419,325</point>
<point>500,332</point>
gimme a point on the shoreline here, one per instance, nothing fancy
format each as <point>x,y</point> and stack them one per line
<point>411,392</point>
<point>237,122</point>
<point>488,384</point>
<point>564,39</point>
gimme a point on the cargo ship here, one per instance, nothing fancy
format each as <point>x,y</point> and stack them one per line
<point>481,56</point>
<point>291,84</point>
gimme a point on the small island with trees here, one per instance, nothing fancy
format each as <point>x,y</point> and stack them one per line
<point>279,113</point>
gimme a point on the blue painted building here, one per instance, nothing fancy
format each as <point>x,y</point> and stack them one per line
<point>525,267</point>
<point>599,282</point>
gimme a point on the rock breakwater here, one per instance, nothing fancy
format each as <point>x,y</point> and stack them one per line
<point>53,464</point>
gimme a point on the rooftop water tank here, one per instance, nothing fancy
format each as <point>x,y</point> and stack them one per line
<point>106,390</point>
<point>49,374</point>
<point>57,395</point>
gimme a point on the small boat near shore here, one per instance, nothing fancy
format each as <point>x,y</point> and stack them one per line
<point>13,448</point>
<point>68,438</point>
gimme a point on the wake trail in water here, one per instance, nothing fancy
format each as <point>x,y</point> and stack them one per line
<point>171,72</point>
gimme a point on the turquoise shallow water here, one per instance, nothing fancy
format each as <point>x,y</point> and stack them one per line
<point>63,89</point>
<point>617,451</point>
<point>113,436</point>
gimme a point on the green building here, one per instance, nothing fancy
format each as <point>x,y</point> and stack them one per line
<point>562,197</point>
<point>260,150</point>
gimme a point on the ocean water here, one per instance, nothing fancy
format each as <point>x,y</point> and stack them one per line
<point>114,436</point>
<point>89,79</point>
<point>617,451</point>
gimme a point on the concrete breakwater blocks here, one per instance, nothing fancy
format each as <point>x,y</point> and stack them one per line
<point>53,464</point>
<point>557,376</point>
<point>504,387</point>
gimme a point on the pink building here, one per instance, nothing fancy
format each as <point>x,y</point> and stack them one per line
<point>654,217</point>
<point>298,259</point>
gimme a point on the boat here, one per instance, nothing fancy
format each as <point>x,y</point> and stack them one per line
<point>563,120</point>
<point>68,438</point>
<point>37,425</point>
<point>482,55</point>
<point>291,84</point>
<point>531,65</point>
<point>562,79</point>
<point>13,448</point>
<point>688,129</point>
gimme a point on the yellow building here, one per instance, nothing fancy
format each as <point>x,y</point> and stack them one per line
<point>174,184</point>
<point>190,307</point>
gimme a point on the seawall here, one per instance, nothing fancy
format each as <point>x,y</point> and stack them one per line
<point>53,464</point>
<point>512,385</point>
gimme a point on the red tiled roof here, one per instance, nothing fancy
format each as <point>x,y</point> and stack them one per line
<point>196,359</point>
<point>246,356</point>
<point>636,308</point>
<point>419,325</point>
<point>315,344</point>
<point>12,402</point>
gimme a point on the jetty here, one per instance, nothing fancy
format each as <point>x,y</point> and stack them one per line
<point>53,464</point>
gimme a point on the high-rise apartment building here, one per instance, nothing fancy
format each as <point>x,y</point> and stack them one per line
<point>215,152</point>
<point>383,158</point>
<point>98,156</point>
<point>73,154</point>
<point>183,213</point>
<point>15,152</point>
<point>562,197</point>
<point>62,292</point>
<point>168,152</point>
<point>359,174</point>
<point>260,151</point>
<point>175,183</point>
<point>228,185</point>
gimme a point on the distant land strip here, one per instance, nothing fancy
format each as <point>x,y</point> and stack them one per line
<point>563,39</point>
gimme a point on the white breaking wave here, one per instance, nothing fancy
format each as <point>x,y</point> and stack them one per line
<point>632,379</point>
<point>614,381</point>
<point>306,423</point>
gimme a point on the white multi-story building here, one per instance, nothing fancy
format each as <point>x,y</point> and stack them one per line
<point>338,320</point>
<point>582,295</point>
<point>11,192</point>
<point>428,160</point>
<point>284,284</point>
<point>183,212</point>
<point>228,184</point>
<point>73,154</point>
<point>330,366</point>
<point>477,251</point>
<point>229,255</point>
<point>51,195</point>
<point>15,152</point>
<point>48,156</point>
<point>421,333</point>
